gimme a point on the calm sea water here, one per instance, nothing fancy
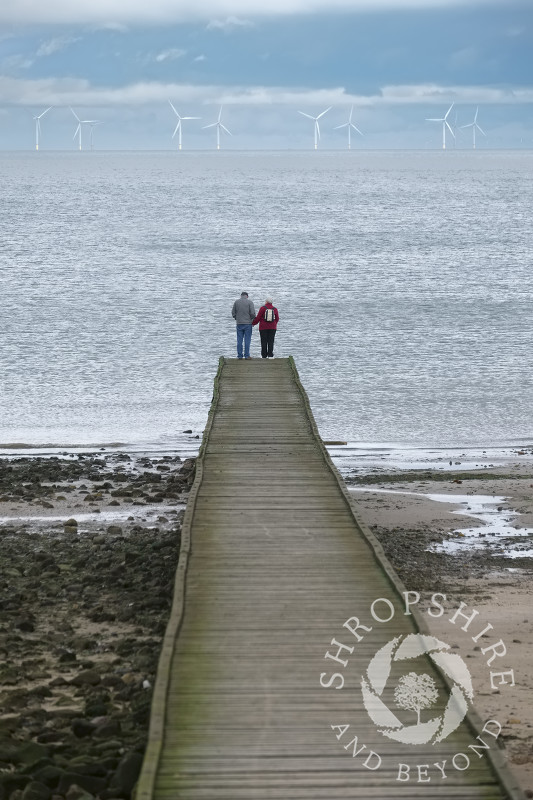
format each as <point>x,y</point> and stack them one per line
<point>403,280</point>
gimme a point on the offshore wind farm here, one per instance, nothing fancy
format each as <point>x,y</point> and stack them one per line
<point>461,135</point>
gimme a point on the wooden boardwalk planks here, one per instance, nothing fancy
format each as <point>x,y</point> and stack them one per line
<point>273,561</point>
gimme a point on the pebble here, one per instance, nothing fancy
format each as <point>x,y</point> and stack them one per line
<point>88,677</point>
<point>36,791</point>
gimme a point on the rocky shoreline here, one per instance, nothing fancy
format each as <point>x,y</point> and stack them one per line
<point>83,609</point>
<point>409,526</point>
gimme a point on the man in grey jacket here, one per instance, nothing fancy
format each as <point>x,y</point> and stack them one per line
<point>243,312</point>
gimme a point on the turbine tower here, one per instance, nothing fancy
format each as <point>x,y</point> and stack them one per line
<point>178,128</point>
<point>38,126</point>
<point>349,125</point>
<point>474,125</point>
<point>315,120</point>
<point>445,124</point>
<point>81,122</point>
<point>218,125</point>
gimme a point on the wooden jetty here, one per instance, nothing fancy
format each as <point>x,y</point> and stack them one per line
<point>273,561</point>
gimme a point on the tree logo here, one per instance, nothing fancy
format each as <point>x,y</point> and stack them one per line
<point>416,691</point>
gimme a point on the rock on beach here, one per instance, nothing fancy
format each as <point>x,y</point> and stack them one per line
<point>84,606</point>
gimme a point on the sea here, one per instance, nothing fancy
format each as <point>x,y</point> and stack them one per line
<point>403,279</point>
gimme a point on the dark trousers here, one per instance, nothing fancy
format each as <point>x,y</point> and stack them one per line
<point>267,343</point>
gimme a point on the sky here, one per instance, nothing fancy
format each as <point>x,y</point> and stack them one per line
<point>396,62</point>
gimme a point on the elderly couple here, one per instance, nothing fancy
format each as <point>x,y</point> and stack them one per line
<point>243,312</point>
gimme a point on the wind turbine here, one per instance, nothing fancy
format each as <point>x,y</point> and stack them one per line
<point>349,125</point>
<point>317,127</point>
<point>455,128</point>
<point>177,129</point>
<point>445,124</point>
<point>38,126</point>
<point>218,125</point>
<point>93,123</point>
<point>474,125</point>
<point>81,122</point>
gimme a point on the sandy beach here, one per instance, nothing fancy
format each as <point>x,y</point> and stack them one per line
<point>89,546</point>
<point>428,533</point>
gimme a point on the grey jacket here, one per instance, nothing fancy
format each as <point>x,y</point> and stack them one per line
<point>243,311</point>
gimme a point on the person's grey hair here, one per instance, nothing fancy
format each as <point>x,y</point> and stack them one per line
<point>268,300</point>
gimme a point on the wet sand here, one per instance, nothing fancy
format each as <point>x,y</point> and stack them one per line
<point>437,546</point>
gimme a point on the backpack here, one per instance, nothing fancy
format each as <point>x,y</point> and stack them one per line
<point>268,316</point>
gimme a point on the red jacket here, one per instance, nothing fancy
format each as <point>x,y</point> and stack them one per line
<point>263,324</point>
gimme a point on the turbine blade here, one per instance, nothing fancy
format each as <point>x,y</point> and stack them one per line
<point>434,119</point>
<point>212,125</point>
<point>173,109</point>
<point>450,108</point>
<point>449,128</point>
<point>220,114</point>
<point>306,115</point>
<point>350,117</point>
<point>344,125</point>
<point>475,115</point>
<point>324,112</point>
<point>44,112</point>
<point>470,124</point>
<point>76,131</point>
<point>317,127</point>
<point>74,113</point>
<point>480,129</point>
<point>225,129</point>
<point>176,129</point>
<point>356,129</point>
<point>191,118</point>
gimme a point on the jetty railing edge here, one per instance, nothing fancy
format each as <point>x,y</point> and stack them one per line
<point>497,762</point>
<point>146,783</point>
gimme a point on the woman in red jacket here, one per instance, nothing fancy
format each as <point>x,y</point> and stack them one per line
<point>268,318</point>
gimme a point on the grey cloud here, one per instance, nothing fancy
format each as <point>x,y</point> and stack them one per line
<point>78,92</point>
<point>135,12</point>
<point>229,24</point>
<point>115,27</point>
